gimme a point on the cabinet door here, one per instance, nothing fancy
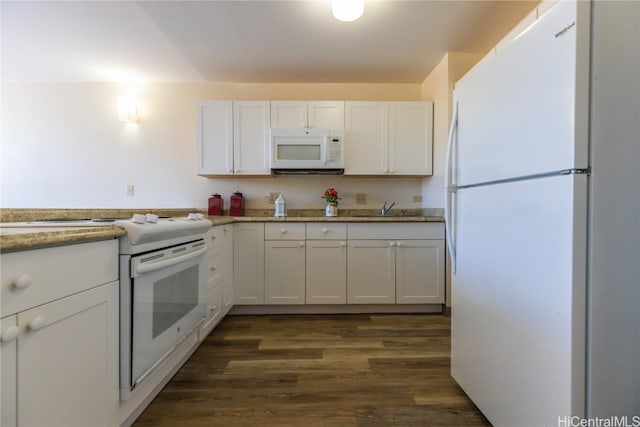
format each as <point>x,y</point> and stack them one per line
<point>251,122</point>
<point>214,138</point>
<point>67,361</point>
<point>284,281</point>
<point>410,138</point>
<point>248,263</point>
<point>325,114</point>
<point>288,114</point>
<point>326,276</point>
<point>371,272</point>
<point>8,367</point>
<point>420,272</point>
<point>366,138</point>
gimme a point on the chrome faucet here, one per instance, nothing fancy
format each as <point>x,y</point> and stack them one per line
<point>386,209</point>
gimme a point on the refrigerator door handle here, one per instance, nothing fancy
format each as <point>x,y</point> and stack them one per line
<point>450,190</point>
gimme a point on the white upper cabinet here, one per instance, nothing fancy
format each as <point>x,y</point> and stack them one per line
<point>214,137</point>
<point>232,138</point>
<point>251,148</point>
<point>388,138</point>
<point>366,138</point>
<point>307,114</point>
<point>410,138</point>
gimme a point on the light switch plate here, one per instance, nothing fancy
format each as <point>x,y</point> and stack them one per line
<point>417,199</point>
<point>361,199</point>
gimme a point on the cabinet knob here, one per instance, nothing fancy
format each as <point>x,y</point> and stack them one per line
<point>398,244</point>
<point>37,323</point>
<point>343,244</point>
<point>236,170</point>
<point>392,244</point>
<point>301,244</point>
<point>391,171</point>
<point>10,335</point>
<point>23,281</point>
<point>325,230</point>
<point>283,230</point>
<point>229,170</point>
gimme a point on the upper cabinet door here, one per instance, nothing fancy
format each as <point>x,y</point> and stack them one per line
<point>325,114</point>
<point>288,114</point>
<point>307,114</point>
<point>251,138</point>
<point>410,138</point>
<point>366,138</point>
<point>214,138</point>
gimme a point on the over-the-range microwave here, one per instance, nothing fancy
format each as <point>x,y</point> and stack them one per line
<point>307,151</point>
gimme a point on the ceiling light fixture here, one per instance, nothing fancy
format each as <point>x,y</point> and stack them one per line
<point>347,10</point>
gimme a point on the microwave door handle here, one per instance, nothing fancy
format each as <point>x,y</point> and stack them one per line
<point>142,269</point>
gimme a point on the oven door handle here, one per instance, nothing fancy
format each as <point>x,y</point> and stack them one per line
<point>147,268</point>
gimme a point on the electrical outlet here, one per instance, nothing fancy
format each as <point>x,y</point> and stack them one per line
<point>417,199</point>
<point>130,190</point>
<point>361,199</point>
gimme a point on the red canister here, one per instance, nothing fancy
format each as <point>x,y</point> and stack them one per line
<point>236,205</point>
<point>216,205</point>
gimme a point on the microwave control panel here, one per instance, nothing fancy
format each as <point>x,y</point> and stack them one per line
<point>334,150</point>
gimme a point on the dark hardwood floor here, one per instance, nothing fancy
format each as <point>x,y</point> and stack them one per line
<point>318,370</point>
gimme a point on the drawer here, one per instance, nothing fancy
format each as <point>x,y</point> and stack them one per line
<point>215,264</point>
<point>217,235</point>
<point>326,231</point>
<point>396,230</point>
<point>284,231</point>
<point>53,273</point>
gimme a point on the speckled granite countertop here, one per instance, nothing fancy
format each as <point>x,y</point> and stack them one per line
<point>18,239</point>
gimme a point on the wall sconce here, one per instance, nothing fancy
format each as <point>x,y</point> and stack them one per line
<point>127,108</point>
<point>347,10</point>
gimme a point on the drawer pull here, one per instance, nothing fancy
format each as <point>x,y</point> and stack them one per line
<point>23,281</point>
<point>10,335</point>
<point>37,323</point>
<point>343,244</point>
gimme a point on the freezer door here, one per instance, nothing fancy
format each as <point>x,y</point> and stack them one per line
<point>517,108</point>
<point>518,299</point>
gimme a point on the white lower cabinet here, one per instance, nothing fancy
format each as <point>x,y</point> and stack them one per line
<point>401,263</point>
<point>371,272</point>
<point>284,260</point>
<point>220,276</point>
<point>248,263</point>
<point>332,263</point>
<point>326,274</point>
<point>58,360</point>
<point>420,272</point>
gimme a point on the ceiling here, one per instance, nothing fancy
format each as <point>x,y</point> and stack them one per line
<point>396,41</point>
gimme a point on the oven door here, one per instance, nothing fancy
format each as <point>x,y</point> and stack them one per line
<point>168,301</point>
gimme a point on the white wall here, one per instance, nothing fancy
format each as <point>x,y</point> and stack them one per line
<point>64,147</point>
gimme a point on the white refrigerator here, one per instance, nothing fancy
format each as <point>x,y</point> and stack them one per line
<point>543,201</point>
